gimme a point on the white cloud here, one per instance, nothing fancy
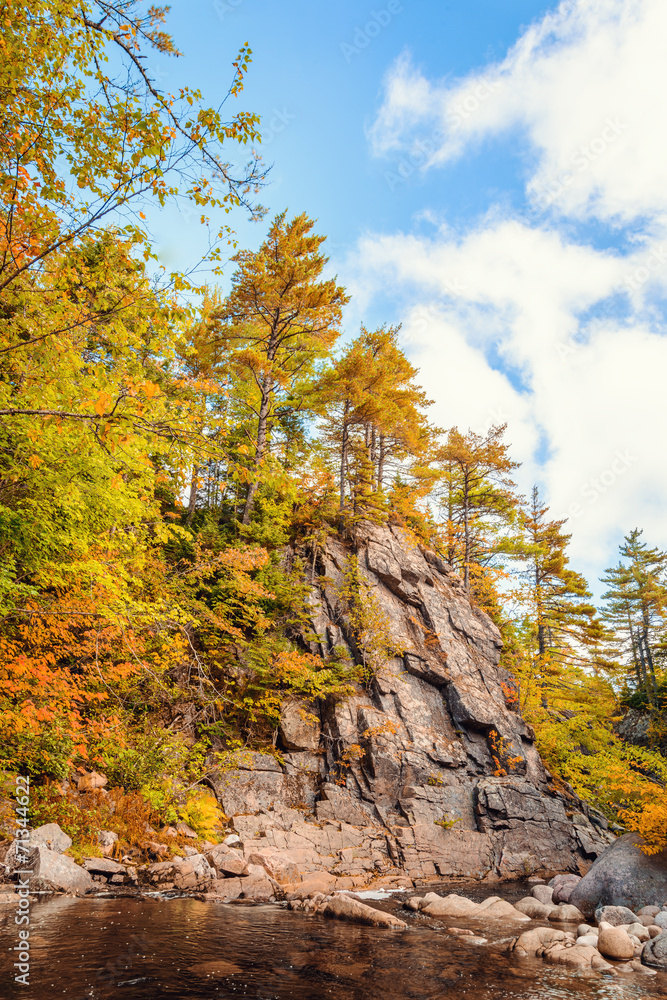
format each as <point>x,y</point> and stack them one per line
<point>586,85</point>
<point>515,320</point>
<point>493,322</point>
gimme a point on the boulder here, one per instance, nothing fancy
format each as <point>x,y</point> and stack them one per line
<point>562,887</point>
<point>186,831</point>
<point>534,909</point>
<point>531,944</point>
<point>654,952</point>
<point>565,913</point>
<point>189,874</point>
<point>502,909</point>
<point>459,906</point>
<point>91,782</point>
<point>614,942</point>
<point>258,886</point>
<point>346,908</point>
<point>279,867</point>
<point>579,958</point>
<point>449,906</point>
<point>542,893</point>
<point>53,872</point>
<point>193,873</point>
<point>648,911</point>
<point>639,931</point>
<point>49,836</point>
<point>299,726</point>
<point>103,866</point>
<point>614,915</point>
<point>623,876</point>
<point>223,890</point>
<point>226,862</point>
<point>660,919</point>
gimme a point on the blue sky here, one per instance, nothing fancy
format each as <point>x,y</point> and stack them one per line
<point>491,175</point>
<point>317,92</point>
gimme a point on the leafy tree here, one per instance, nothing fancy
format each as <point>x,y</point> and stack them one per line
<point>278,319</point>
<point>87,134</point>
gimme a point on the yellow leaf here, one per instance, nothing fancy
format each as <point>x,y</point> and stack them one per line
<point>150,389</point>
<point>102,403</point>
<point>35,461</point>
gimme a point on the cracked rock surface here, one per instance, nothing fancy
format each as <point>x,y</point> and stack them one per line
<point>428,771</point>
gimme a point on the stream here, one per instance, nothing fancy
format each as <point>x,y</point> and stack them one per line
<point>142,949</point>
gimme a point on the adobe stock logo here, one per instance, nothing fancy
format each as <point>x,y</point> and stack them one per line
<point>363,36</point>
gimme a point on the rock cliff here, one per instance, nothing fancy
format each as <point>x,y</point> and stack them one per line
<point>428,771</point>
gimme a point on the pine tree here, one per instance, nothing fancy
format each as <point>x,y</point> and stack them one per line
<point>478,495</point>
<point>636,601</point>
<point>372,415</point>
<point>564,624</point>
<point>279,318</point>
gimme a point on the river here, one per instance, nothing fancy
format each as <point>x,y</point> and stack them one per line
<point>143,949</point>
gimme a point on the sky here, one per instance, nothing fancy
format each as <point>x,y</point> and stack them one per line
<point>492,176</point>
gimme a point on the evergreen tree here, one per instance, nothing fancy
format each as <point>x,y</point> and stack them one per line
<point>372,415</point>
<point>564,624</point>
<point>278,319</point>
<point>478,495</point>
<point>636,600</point>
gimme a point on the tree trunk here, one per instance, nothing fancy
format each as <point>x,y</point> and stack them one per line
<point>192,501</point>
<point>466,531</point>
<point>343,454</point>
<point>381,458</point>
<point>262,425</point>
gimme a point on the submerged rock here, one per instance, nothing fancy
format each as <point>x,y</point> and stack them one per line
<point>346,908</point>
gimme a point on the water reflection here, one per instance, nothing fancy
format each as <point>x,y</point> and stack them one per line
<point>142,950</point>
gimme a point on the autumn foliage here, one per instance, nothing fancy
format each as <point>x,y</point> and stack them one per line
<point>171,465</point>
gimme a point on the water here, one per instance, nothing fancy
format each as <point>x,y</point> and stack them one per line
<point>131,949</point>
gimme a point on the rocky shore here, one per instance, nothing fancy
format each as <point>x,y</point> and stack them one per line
<point>605,935</point>
<point>426,773</point>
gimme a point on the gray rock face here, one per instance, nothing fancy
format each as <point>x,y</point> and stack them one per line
<point>430,761</point>
<point>623,876</point>
<point>299,726</point>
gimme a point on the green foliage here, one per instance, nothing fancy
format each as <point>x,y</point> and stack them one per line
<point>446,823</point>
<point>370,625</point>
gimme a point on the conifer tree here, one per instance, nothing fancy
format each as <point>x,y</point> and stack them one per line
<point>636,600</point>
<point>279,318</point>
<point>372,409</point>
<point>564,624</point>
<point>478,493</point>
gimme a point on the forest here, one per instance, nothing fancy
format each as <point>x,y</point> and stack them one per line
<point>165,443</point>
